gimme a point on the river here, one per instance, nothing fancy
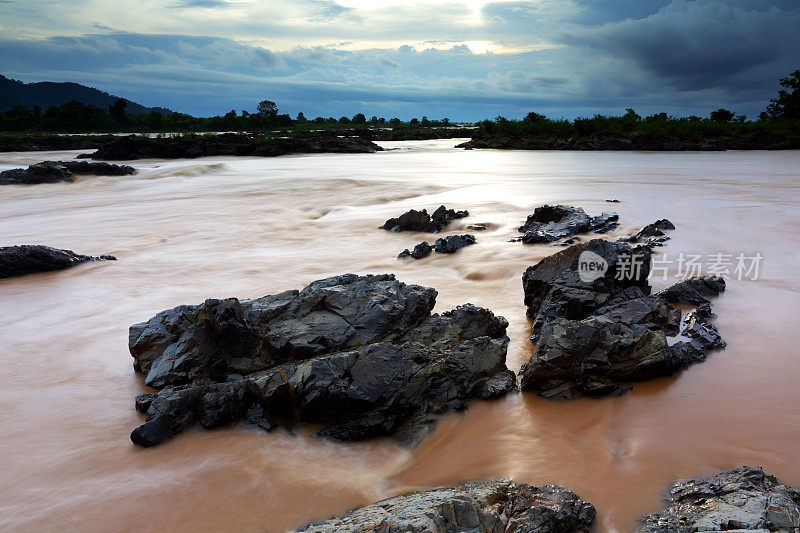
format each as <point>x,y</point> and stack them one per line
<point>186,230</point>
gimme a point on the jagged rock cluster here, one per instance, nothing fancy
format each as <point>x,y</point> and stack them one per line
<point>445,245</point>
<point>414,220</point>
<point>31,258</point>
<point>362,355</point>
<point>550,223</point>
<point>56,171</point>
<point>479,507</point>
<point>598,328</point>
<point>742,499</point>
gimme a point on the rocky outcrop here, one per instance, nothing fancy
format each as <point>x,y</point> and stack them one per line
<point>32,258</point>
<point>57,171</point>
<point>421,221</point>
<point>550,223</point>
<point>420,251</point>
<point>139,147</point>
<point>446,245</point>
<point>742,499</point>
<point>360,355</point>
<point>597,328</point>
<point>693,291</point>
<point>653,231</point>
<point>479,507</point>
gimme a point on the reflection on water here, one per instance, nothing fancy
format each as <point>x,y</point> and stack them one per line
<point>192,229</point>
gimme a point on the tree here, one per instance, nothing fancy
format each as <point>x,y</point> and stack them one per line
<point>359,118</point>
<point>630,114</point>
<point>301,118</point>
<point>394,121</point>
<point>344,120</point>
<point>414,121</point>
<point>117,110</point>
<point>267,109</point>
<point>534,117</point>
<point>722,115</point>
<point>787,105</point>
<point>425,121</point>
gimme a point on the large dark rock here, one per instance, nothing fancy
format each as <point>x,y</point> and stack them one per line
<point>598,329</point>
<point>452,243</point>
<point>139,147</point>
<point>478,507</point>
<point>420,251</point>
<point>414,220</point>
<point>31,258</point>
<point>742,499</point>
<point>653,231</point>
<point>361,355</point>
<point>56,171</point>
<point>693,291</point>
<point>550,223</point>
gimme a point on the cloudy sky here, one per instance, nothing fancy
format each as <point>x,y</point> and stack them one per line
<point>462,59</point>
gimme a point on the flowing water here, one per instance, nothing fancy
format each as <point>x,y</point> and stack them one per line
<point>188,230</point>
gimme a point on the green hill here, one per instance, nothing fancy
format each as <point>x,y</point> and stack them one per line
<point>47,93</point>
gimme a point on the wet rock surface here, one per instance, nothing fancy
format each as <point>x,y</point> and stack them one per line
<point>599,329</point>
<point>446,245</point>
<point>421,221</point>
<point>742,499</point>
<point>60,171</point>
<point>420,251</point>
<point>550,223</point>
<point>361,355</point>
<point>479,506</point>
<point>230,144</point>
<point>653,232</point>
<point>32,258</point>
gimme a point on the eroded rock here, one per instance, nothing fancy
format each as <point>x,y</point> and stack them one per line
<point>742,499</point>
<point>32,258</point>
<point>420,251</point>
<point>361,355</point>
<point>550,223</point>
<point>478,506</point>
<point>60,171</point>
<point>414,220</point>
<point>599,329</point>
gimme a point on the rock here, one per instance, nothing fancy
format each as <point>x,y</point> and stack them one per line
<point>360,355</point>
<point>653,230</point>
<point>550,223</point>
<point>742,499</point>
<point>414,220</point>
<point>477,227</point>
<point>597,330</point>
<point>694,291</point>
<point>453,243</point>
<point>613,201</point>
<point>420,251</point>
<point>478,506</point>
<point>232,144</point>
<point>31,258</point>
<point>60,171</point>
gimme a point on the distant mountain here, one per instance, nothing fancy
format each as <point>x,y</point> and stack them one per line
<point>47,93</point>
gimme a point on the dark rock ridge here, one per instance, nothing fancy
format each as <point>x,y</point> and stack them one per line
<point>635,141</point>
<point>742,499</point>
<point>138,147</point>
<point>421,221</point>
<point>361,355</point>
<point>56,171</point>
<point>597,329</point>
<point>477,507</point>
<point>550,223</point>
<point>445,245</point>
<point>31,258</point>
<point>653,230</point>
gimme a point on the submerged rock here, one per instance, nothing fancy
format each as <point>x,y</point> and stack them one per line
<point>420,251</point>
<point>597,328</point>
<point>478,506</point>
<point>550,223</point>
<point>31,258</point>
<point>453,243</point>
<point>653,231</point>
<point>414,220</point>
<point>742,499</point>
<point>361,355</point>
<point>60,171</point>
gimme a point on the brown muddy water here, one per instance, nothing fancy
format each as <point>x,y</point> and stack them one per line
<point>193,229</point>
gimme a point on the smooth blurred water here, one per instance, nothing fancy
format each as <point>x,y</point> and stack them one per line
<point>188,230</point>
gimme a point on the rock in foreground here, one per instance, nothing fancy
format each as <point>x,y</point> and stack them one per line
<point>743,499</point>
<point>479,507</point>
<point>361,355</point>
<point>60,171</point>
<point>414,220</point>
<point>31,258</point>
<point>597,328</point>
<point>550,223</point>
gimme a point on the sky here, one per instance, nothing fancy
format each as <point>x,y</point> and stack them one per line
<point>462,59</point>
